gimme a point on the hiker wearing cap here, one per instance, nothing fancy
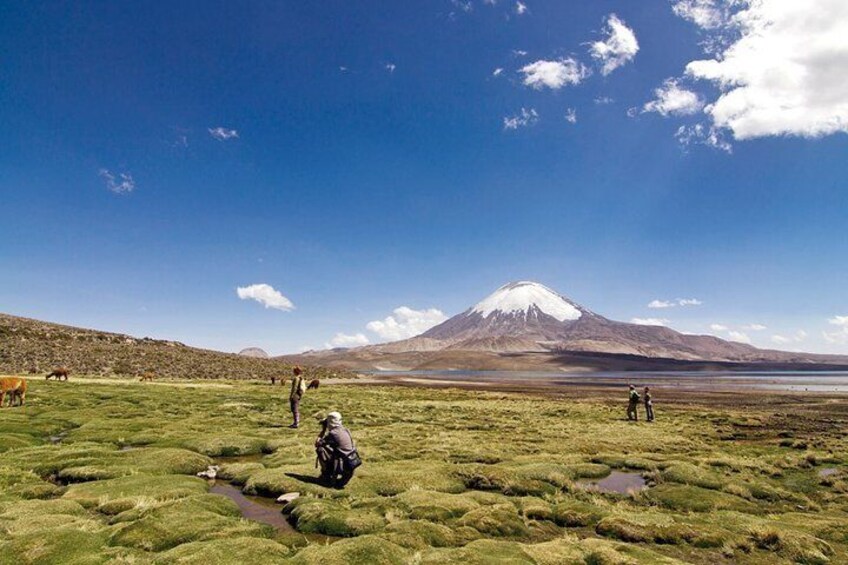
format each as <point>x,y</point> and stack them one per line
<point>632,404</point>
<point>337,455</point>
<point>298,388</point>
<point>649,405</point>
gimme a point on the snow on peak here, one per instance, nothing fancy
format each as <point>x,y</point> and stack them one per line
<point>521,296</point>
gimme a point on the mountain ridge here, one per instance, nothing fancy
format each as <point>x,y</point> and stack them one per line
<point>36,347</point>
<point>529,318</point>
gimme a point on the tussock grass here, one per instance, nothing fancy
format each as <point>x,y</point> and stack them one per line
<point>450,476</point>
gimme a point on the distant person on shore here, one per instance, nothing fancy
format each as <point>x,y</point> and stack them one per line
<point>649,405</point>
<point>298,388</point>
<point>632,404</point>
<point>337,455</point>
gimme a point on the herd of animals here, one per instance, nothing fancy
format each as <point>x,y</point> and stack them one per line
<point>16,387</point>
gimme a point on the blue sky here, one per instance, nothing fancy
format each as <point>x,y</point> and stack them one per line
<point>362,157</point>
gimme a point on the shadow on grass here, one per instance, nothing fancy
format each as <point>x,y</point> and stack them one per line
<point>307,479</point>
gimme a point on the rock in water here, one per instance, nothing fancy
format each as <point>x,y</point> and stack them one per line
<point>210,473</point>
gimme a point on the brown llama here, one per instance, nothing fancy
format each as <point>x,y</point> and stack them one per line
<point>16,388</point>
<point>313,384</point>
<point>59,373</point>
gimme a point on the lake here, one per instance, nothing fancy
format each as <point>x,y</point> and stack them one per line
<point>794,381</point>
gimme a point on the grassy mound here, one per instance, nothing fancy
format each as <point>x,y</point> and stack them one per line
<point>227,550</point>
<point>363,549</point>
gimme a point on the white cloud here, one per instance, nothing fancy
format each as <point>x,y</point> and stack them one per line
<point>839,321</point>
<point>554,74</point>
<point>718,327</point>
<point>390,67</point>
<point>464,5</point>
<point>781,68</point>
<point>754,327</point>
<point>798,337</point>
<point>519,52</point>
<point>497,72</point>
<point>347,340</point>
<point>707,14</point>
<point>618,47</point>
<point>673,100</point>
<point>649,321</point>
<point>523,119</point>
<point>223,134</point>
<point>702,135</point>
<point>571,115</point>
<point>738,336</point>
<point>673,303</point>
<point>840,335</point>
<point>520,8</point>
<point>123,183</point>
<point>406,322</point>
<point>600,100</point>
<point>266,295</point>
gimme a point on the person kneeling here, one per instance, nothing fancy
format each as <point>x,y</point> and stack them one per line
<point>337,455</point>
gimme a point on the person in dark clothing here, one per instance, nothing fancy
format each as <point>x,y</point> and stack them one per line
<point>336,452</point>
<point>298,388</point>
<point>632,404</point>
<point>649,405</point>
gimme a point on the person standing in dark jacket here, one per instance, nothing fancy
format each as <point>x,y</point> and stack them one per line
<point>632,404</point>
<point>649,405</point>
<point>335,449</point>
<point>298,388</point>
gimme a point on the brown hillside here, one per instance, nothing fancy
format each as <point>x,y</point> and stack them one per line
<point>32,346</point>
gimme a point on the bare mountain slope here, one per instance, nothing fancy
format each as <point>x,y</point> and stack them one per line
<point>256,352</point>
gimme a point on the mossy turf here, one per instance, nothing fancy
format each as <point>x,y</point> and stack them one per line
<point>105,473</point>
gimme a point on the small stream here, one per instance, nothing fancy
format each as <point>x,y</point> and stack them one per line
<point>257,508</point>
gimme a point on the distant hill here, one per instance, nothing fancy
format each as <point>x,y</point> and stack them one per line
<point>31,346</point>
<point>254,352</point>
<point>527,326</point>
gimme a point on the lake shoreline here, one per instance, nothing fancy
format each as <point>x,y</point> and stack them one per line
<point>675,383</point>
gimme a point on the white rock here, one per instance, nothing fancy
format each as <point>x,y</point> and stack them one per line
<point>288,497</point>
<point>209,473</point>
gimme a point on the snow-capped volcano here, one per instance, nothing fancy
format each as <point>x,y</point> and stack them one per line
<point>525,324</point>
<point>526,297</point>
<point>519,316</point>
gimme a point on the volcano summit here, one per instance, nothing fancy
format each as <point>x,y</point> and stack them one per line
<point>527,326</point>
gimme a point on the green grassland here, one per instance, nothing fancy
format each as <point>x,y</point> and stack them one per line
<point>450,476</point>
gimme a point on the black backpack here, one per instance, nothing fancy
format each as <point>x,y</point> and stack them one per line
<point>352,460</point>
